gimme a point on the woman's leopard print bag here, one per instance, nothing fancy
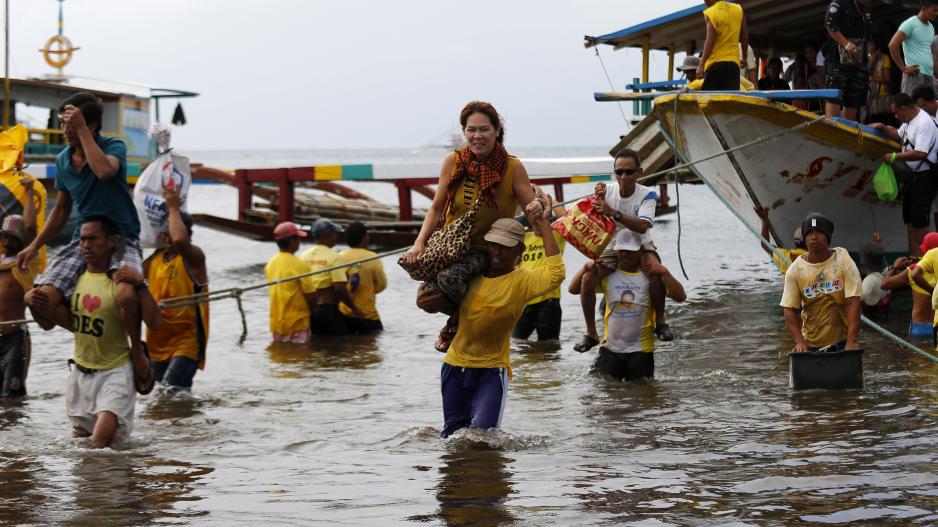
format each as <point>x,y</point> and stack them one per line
<point>446,246</point>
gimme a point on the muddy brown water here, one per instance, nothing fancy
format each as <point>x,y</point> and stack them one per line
<point>345,432</point>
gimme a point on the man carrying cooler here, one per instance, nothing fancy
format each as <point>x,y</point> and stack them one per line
<point>825,285</point>
<point>91,176</point>
<point>330,287</point>
<point>99,396</point>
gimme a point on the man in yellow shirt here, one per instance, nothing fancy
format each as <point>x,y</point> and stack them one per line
<point>476,368</point>
<point>826,285</point>
<point>17,232</point>
<point>726,33</point>
<point>365,281</point>
<point>177,269</point>
<point>330,286</point>
<point>290,301</point>
<point>100,395</point>
<point>542,314</point>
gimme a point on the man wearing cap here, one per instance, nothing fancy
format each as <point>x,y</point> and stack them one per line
<point>290,302</point>
<point>330,286</point>
<point>177,348</point>
<point>17,232</point>
<point>365,281</point>
<point>476,368</point>
<point>628,350</point>
<point>825,285</point>
<point>773,251</point>
<point>689,68</point>
<point>631,206</point>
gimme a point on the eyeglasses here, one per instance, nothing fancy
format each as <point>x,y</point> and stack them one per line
<point>626,171</point>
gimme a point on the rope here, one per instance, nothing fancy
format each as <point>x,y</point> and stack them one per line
<point>613,88</point>
<point>872,325</point>
<point>677,189</point>
<point>11,323</point>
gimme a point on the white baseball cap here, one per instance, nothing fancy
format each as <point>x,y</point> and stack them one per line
<point>627,240</point>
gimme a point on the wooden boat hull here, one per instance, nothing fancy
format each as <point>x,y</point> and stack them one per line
<point>826,167</point>
<point>380,238</point>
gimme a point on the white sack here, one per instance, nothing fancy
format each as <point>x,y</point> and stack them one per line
<point>166,171</point>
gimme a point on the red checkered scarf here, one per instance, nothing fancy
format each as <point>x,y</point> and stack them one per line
<point>488,172</point>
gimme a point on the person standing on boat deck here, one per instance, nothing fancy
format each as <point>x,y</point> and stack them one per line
<point>825,285</point>
<point>91,176</point>
<point>330,287</point>
<point>290,302</point>
<point>789,254</point>
<point>477,366</point>
<point>365,281</point>
<point>848,23</point>
<point>177,269</point>
<point>17,231</point>
<point>632,206</point>
<point>480,168</point>
<point>918,136</point>
<point>726,32</point>
<point>915,37</point>
<point>627,352</point>
<point>99,394</point>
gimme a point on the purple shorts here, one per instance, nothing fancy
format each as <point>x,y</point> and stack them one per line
<point>472,397</point>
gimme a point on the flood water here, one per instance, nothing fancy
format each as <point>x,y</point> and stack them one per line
<point>346,432</point>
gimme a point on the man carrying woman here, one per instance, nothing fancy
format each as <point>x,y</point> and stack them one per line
<point>480,174</point>
<point>476,369</point>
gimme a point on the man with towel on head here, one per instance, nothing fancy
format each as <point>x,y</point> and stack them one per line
<point>16,233</point>
<point>825,284</point>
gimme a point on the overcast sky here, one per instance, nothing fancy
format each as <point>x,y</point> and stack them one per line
<point>352,73</point>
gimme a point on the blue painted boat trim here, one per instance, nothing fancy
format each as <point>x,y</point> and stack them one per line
<point>654,85</point>
<point>779,95</point>
<point>645,27</point>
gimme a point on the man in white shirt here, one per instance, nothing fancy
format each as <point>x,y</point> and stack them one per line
<point>631,206</point>
<point>918,136</point>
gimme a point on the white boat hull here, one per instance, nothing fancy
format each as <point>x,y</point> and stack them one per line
<point>826,167</point>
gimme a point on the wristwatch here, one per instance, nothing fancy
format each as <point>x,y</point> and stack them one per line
<point>143,284</point>
<point>617,216</point>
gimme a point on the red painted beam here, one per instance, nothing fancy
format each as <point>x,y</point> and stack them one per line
<point>285,200</point>
<point>245,192</point>
<point>404,202</point>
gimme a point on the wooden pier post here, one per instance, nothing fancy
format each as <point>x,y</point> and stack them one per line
<point>245,192</point>
<point>285,200</point>
<point>404,201</point>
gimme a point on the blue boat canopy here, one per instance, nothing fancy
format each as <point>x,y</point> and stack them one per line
<point>779,26</point>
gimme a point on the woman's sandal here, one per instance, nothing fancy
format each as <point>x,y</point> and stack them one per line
<point>145,386</point>
<point>445,338</point>
<point>586,343</point>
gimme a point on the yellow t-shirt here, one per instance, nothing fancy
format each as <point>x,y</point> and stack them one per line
<point>321,257</point>
<point>365,281</point>
<point>490,310</point>
<point>929,265</point>
<point>184,330</point>
<point>629,320</point>
<point>100,340</point>
<point>822,289</point>
<point>289,312</point>
<point>533,258</point>
<point>791,254</point>
<point>26,279</point>
<point>727,20</point>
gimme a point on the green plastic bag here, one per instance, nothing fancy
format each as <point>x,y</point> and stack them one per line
<point>884,182</point>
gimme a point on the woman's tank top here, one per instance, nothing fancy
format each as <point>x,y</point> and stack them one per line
<point>468,191</point>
